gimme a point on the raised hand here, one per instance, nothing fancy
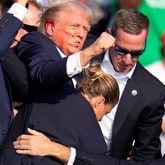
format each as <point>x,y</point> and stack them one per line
<point>22,2</point>
<point>104,42</point>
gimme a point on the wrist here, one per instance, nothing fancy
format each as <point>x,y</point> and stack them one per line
<point>60,152</point>
<point>85,56</point>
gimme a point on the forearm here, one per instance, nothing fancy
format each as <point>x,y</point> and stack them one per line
<point>85,56</point>
<point>59,151</point>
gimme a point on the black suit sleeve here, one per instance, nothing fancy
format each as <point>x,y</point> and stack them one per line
<point>16,73</point>
<point>7,33</point>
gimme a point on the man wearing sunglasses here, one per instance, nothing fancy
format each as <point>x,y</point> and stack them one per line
<point>137,118</point>
<point>133,127</point>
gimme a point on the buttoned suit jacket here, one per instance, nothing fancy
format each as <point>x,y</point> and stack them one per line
<point>7,35</point>
<point>71,122</point>
<point>138,118</point>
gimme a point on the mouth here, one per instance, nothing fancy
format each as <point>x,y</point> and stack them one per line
<point>124,67</point>
<point>76,44</point>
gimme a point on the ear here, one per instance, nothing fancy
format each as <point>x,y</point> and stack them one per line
<point>49,27</point>
<point>98,104</point>
<point>99,101</point>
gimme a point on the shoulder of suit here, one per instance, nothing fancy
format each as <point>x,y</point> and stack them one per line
<point>147,77</point>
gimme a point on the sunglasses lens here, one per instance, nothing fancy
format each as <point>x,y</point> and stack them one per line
<point>123,52</point>
<point>137,53</point>
<point>120,50</point>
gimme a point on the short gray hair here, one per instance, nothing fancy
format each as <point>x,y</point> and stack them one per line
<point>53,11</point>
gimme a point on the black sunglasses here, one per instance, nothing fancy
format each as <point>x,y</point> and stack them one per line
<point>122,51</point>
<point>29,28</point>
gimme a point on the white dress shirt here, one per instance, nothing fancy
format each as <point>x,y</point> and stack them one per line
<point>73,66</point>
<point>18,10</point>
<point>106,123</point>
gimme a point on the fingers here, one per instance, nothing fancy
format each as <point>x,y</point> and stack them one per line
<point>33,132</point>
<point>108,40</point>
<point>20,143</point>
<point>21,146</point>
<point>22,2</point>
<point>23,149</point>
<point>23,152</point>
<point>104,42</point>
<point>23,137</point>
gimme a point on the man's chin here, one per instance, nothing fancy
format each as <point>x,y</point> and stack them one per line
<point>123,70</point>
<point>75,50</point>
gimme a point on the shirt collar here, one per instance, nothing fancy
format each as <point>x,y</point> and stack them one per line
<point>61,53</point>
<point>108,68</point>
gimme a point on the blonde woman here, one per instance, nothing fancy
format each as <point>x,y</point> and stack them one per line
<point>72,121</point>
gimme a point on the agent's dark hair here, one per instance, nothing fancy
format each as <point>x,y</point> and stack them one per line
<point>130,21</point>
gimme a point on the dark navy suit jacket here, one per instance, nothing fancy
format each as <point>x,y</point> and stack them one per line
<point>45,67</point>
<point>71,122</point>
<point>16,73</point>
<point>95,159</point>
<point>9,25</point>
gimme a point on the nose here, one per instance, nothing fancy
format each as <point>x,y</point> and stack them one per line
<point>81,33</point>
<point>127,59</point>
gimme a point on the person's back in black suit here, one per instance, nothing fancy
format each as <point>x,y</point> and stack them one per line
<point>71,121</point>
<point>7,35</point>
<point>14,69</point>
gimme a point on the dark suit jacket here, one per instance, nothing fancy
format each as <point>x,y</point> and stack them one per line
<point>15,71</point>
<point>46,69</point>
<point>7,35</point>
<point>96,159</point>
<point>138,117</point>
<point>71,122</point>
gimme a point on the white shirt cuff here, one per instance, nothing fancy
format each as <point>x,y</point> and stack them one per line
<point>73,65</point>
<point>18,10</point>
<point>164,117</point>
<point>72,156</point>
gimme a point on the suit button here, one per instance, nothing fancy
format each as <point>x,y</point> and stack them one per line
<point>4,132</point>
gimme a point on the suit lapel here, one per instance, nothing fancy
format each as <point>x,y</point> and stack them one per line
<point>128,98</point>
